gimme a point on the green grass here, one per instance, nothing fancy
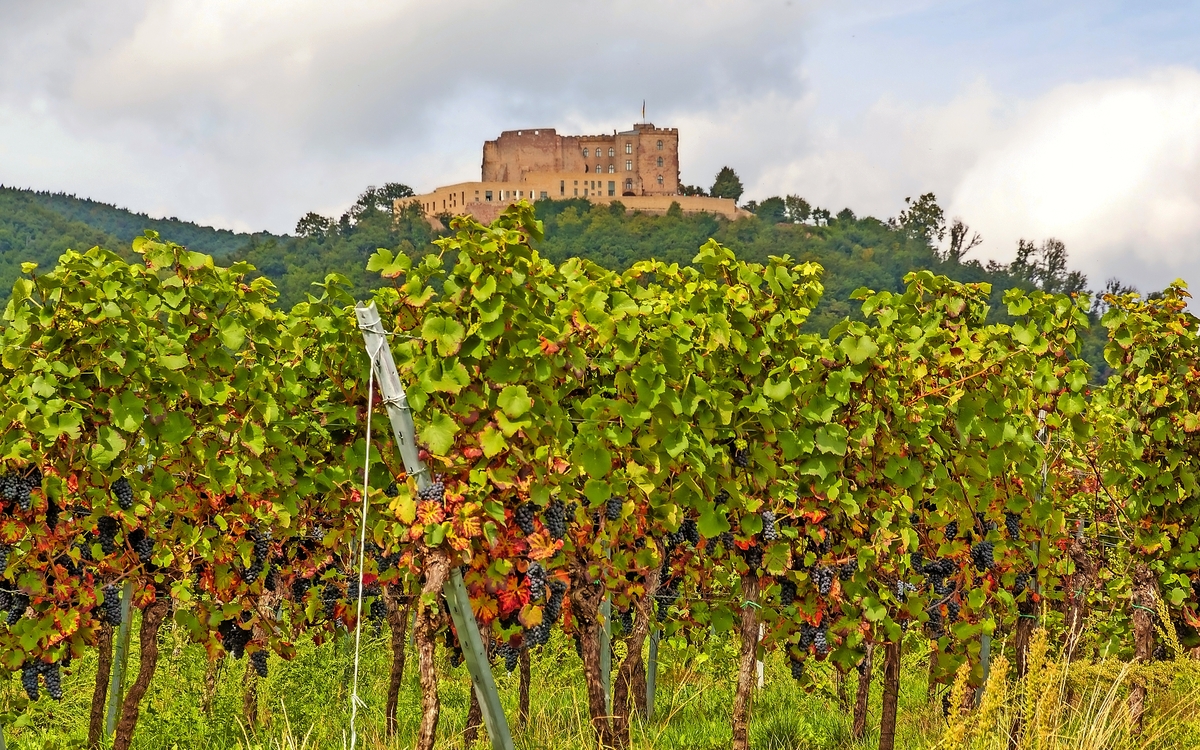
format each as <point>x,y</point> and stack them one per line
<point>305,703</point>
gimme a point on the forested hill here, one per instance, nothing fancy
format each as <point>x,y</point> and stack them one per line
<point>854,252</point>
<point>38,226</point>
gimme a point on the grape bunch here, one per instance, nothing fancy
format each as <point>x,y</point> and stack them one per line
<point>626,617</point>
<point>538,635</point>
<point>234,638</point>
<point>984,556</point>
<point>553,609</point>
<point>142,544</point>
<point>951,531</point>
<point>123,492</point>
<point>612,509</point>
<point>300,587</point>
<point>916,560</point>
<point>5,600</point>
<point>823,577</point>
<point>821,639</point>
<point>262,548</point>
<point>509,654</point>
<point>722,497</point>
<point>812,635</point>
<point>753,556</point>
<point>523,516</point>
<point>769,532</point>
<point>726,540</point>
<point>378,611</point>
<point>939,567</point>
<point>1021,584</point>
<point>690,531</point>
<point>741,457</point>
<point>847,570</point>
<point>903,589</point>
<point>110,608</point>
<point>1012,524</point>
<point>16,487</point>
<point>106,532</point>
<point>3,558</point>
<point>936,628</point>
<point>17,605</point>
<point>952,610</point>
<point>392,490</point>
<point>258,660</point>
<point>556,519</point>
<point>329,600</point>
<point>797,666</point>
<point>29,679</point>
<point>787,592</point>
<point>537,581</point>
<point>52,510</point>
<point>435,491</point>
<point>666,595</point>
<point>53,679</point>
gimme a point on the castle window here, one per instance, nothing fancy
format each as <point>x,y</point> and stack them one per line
<point>611,152</point>
<point>544,195</point>
<point>599,168</point>
<point>585,167</point>
<point>487,196</point>
<point>628,165</point>
<point>629,184</point>
<point>660,180</point>
<point>585,153</point>
<point>628,148</point>
<point>660,145</point>
<point>562,187</point>
<point>612,187</point>
<point>660,161</point>
<point>612,168</point>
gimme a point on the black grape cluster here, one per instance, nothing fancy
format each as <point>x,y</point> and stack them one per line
<point>612,509</point>
<point>797,667</point>
<point>626,621</point>
<point>952,610</point>
<point>110,608</point>
<point>937,571</point>
<point>538,635</point>
<point>690,531</point>
<point>726,540</point>
<point>300,587</point>
<point>523,515</point>
<point>106,532</point>
<point>537,581</point>
<point>812,635</point>
<point>666,595</point>
<point>769,532</point>
<point>234,638</point>
<point>3,558</point>
<point>262,548</point>
<point>1021,584</point>
<point>847,570</point>
<point>142,544</point>
<point>51,514</point>
<point>123,493</point>
<point>435,491</point>
<point>741,457</point>
<point>936,627</point>
<point>1012,524</point>
<point>556,519</point>
<point>392,490</point>
<point>753,556</point>
<point>329,599</point>
<point>903,589</point>
<point>823,577</point>
<point>15,487</point>
<point>17,604</point>
<point>984,556</point>
<point>951,531</point>
<point>258,660</point>
<point>29,679</point>
<point>509,654</point>
<point>916,560</point>
<point>722,497</point>
<point>553,609</point>
<point>787,591</point>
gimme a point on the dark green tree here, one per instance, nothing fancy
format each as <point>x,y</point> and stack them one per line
<point>798,209</point>
<point>923,219</point>
<point>313,225</point>
<point>772,210</point>
<point>727,185</point>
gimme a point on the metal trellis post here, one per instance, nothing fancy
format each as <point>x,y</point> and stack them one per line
<point>459,602</point>
<point>120,660</point>
<point>606,652</point>
<point>652,672</point>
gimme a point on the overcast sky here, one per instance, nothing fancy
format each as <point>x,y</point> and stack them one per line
<point>1076,120</point>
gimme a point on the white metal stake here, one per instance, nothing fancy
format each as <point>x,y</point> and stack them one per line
<point>762,678</point>
<point>459,602</point>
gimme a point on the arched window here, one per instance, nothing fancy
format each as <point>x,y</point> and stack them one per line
<point>628,147</point>
<point>599,168</point>
<point>660,180</point>
<point>629,184</point>
<point>659,146</point>
<point>660,161</point>
<point>611,152</point>
<point>585,153</point>
<point>612,168</point>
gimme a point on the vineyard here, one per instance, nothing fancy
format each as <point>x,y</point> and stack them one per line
<point>662,458</point>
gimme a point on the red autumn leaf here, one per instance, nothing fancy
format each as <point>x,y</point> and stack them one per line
<point>485,609</point>
<point>73,483</point>
<point>541,546</point>
<point>430,511</point>
<point>513,597</point>
<point>548,347</point>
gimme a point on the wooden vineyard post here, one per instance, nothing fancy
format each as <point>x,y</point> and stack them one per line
<point>652,672</point>
<point>606,652</point>
<point>457,599</point>
<point>120,660</point>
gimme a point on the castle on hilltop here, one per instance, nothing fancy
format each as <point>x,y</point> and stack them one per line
<point>638,167</point>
